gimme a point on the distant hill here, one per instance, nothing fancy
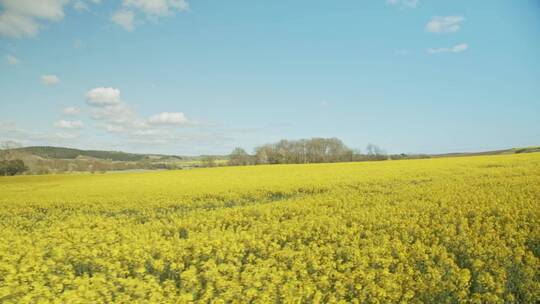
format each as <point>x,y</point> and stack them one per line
<point>69,153</point>
<point>46,159</point>
<point>493,152</point>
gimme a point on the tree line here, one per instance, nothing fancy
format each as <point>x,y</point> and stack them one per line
<point>306,151</point>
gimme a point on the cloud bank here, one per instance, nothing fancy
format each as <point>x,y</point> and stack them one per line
<point>24,18</point>
<point>149,9</point>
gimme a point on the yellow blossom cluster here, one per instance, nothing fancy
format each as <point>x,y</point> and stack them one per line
<point>449,230</point>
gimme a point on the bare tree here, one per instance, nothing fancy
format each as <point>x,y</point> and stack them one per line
<point>262,154</point>
<point>374,150</point>
<point>239,157</point>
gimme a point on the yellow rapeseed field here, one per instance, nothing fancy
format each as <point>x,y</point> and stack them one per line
<point>447,230</point>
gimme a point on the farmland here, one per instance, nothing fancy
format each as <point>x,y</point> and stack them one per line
<point>442,230</point>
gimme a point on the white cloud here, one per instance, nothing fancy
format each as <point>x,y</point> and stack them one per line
<point>168,118</point>
<point>50,79</point>
<point>12,60</point>
<point>157,8</point>
<point>69,124</point>
<point>80,6</point>
<point>103,97</point>
<point>151,9</point>
<point>125,19</point>
<point>403,3</point>
<point>24,18</point>
<point>446,24</point>
<point>455,49</point>
<point>460,48</point>
<point>107,106</point>
<point>71,111</point>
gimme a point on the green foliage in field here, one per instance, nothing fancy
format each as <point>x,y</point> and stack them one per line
<point>12,167</point>
<point>417,231</point>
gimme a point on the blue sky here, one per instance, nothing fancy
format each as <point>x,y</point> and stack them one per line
<point>198,76</point>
